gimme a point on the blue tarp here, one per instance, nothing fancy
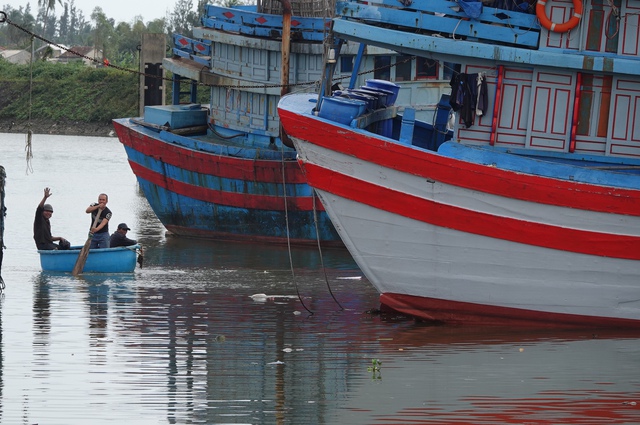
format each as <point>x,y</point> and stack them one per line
<point>471,8</point>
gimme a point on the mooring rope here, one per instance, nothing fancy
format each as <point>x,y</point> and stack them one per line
<point>3,214</point>
<point>286,217</point>
<point>28,147</point>
<point>324,270</point>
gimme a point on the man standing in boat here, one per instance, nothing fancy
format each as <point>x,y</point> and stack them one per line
<point>100,216</point>
<point>119,237</point>
<point>42,227</point>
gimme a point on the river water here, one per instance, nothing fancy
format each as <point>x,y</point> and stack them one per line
<point>182,340</point>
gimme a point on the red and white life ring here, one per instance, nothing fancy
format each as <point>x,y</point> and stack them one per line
<point>541,13</point>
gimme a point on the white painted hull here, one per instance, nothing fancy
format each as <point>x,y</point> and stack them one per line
<point>471,255</point>
<point>405,256</point>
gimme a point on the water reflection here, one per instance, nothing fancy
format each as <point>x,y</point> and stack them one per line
<point>182,341</point>
<point>188,253</point>
<point>189,345</point>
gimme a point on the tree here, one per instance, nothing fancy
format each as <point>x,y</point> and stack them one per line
<point>103,33</point>
<point>46,24</point>
<point>48,4</point>
<point>13,35</point>
<point>63,24</point>
<point>183,19</point>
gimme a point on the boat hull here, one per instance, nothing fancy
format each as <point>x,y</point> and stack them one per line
<point>202,187</point>
<point>102,260</point>
<point>458,242</point>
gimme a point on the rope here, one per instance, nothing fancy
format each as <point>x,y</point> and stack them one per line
<point>106,63</point>
<point>286,215</point>
<point>324,270</point>
<point>615,12</point>
<point>3,213</point>
<point>28,146</point>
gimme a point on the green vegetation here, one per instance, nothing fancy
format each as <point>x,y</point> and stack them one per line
<point>75,92</point>
<point>72,92</point>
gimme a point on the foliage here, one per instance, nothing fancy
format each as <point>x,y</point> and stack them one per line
<point>74,91</point>
<point>67,92</point>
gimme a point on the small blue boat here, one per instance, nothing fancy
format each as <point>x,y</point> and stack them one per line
<point>121,259</point>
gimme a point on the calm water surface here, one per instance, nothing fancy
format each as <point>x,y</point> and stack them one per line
<point>181,341</point>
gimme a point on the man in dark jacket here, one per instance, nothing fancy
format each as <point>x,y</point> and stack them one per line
<point>42,227</point>
<point>119,237</point>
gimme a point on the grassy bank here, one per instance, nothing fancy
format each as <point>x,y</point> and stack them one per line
<point>70,94</point>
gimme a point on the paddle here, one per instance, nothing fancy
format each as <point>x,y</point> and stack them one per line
<point>84,252</point>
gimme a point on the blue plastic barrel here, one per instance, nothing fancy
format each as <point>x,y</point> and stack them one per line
<point>340,109</point>
<point>385,85</point>
<point>388,94</point>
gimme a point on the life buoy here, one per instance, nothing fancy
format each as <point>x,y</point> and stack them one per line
<point>541,13</point>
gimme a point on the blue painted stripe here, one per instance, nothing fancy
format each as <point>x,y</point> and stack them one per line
<point>545,167</point>
<point>215,182</point>
<point>177,210</point>
<point>461,51</point>
<point>221,148</point>
<point>502,26</point>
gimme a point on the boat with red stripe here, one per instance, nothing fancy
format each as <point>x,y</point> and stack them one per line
<point>530,213</point>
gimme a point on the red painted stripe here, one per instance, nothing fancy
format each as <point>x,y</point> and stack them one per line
<point>576,113</point>
<point>496,106</point>
<point>231,199</point>
<point>456,312</point>
<point>479,223</point>
<point>208,163</point>
<point>460,173</point>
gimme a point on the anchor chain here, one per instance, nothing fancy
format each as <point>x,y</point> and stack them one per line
<point>5,19</point>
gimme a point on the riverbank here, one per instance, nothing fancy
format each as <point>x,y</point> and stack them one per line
<point>69,128</point>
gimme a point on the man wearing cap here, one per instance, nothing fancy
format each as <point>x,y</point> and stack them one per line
<point>119,237</point>
<point>42,227</point>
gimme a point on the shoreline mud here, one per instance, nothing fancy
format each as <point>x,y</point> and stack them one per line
<point>69,128</point>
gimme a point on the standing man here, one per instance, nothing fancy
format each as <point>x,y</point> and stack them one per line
<point>42,227</point>
<point>119,237</point>
<point>100,216</point>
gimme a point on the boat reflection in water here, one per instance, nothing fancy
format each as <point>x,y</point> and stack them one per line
<point>182,341</point>
<point>189,345</point>
<point>469,375</point>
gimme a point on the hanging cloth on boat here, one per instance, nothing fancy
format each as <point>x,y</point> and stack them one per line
<point>471,8</point>
<point>483,98</point>
<point>456,97</point>
<point>469,96</point>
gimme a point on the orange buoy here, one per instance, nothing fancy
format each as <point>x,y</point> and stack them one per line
<point>541,13</point>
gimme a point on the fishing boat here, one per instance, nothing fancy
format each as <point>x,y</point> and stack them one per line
<point>222,171</point>
<point>121,259</point>
<point>530,213</point>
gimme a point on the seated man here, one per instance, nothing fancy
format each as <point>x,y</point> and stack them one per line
<point>42,227</point>
<point>119,237</point>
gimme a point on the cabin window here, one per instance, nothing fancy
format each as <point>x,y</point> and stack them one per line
<point>346,64</point>
<point>403,68</point>
<point>602,19</point>
<point>382,70</point>
<point>448,69</point>
<point>426,68</point>
<point>595,96</point>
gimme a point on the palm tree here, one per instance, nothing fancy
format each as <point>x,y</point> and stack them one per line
<point>49,4</point>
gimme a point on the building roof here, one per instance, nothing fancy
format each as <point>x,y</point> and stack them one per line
<point>82,50</point>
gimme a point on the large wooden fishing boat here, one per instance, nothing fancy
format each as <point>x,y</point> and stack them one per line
<point>221,170</point>
<point>530,214</point>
